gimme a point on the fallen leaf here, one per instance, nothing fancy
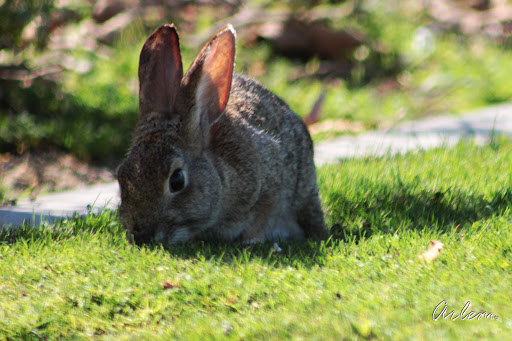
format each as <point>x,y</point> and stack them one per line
<point>254,304</point>
<point>433,251</point>
<point>169,285</point>
<point>315,114</point>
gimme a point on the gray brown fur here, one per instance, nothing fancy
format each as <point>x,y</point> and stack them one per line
<point>249,168</point>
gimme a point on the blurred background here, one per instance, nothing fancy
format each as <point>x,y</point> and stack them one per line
<point>68,70</point>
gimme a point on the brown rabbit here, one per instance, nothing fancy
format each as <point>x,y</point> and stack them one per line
<point>215,156</point>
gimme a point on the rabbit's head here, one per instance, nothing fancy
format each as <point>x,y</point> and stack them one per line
<point>169,184</point>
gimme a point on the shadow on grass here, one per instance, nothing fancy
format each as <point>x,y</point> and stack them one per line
<point>295,254</point>
<point>106,226</point>
<point>403,207</point>
<point>387,210</point>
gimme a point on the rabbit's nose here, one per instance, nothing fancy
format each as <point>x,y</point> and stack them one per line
<point>139,237</point>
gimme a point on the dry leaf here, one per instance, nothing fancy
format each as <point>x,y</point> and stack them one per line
<point>315,114</point>
<point>254,304</point>
<point>169,285</point>
<point>433,251</point>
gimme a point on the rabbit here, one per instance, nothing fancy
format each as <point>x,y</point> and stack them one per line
<point>215,156</point>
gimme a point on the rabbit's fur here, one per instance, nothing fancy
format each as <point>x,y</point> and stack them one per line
<point>215,155</point>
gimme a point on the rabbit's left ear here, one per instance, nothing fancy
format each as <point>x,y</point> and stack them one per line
<point>160,71</point>
<point>210,76</point>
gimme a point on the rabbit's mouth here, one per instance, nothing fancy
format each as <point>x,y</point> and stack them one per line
<point>165,236</point>
<point>139,238</point>
<point>138,234</point>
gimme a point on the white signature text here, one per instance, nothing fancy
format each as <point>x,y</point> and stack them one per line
<point>441,310</point>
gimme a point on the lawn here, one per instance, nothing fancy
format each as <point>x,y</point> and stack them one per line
<point>80,279</point>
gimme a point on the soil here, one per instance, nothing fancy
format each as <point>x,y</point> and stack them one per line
<point>33,174</point>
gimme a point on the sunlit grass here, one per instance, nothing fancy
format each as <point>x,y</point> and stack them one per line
<point>81,279</point>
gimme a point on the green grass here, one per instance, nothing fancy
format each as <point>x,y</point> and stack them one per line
<point>81,279</point>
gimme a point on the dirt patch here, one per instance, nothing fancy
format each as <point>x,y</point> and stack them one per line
<point>36,173</point>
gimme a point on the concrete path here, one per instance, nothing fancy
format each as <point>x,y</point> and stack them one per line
<point>428,133</point>
<point>62,204</point>
<point>433,132</point>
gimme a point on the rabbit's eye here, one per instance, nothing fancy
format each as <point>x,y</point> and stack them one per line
<point>177,181</point>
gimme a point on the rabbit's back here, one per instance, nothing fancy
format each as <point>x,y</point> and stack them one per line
<point>271,147</point>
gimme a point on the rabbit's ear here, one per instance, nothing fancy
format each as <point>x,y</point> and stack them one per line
<point>212,93</point>
<point>160,71</point>
<point>208,80</point>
